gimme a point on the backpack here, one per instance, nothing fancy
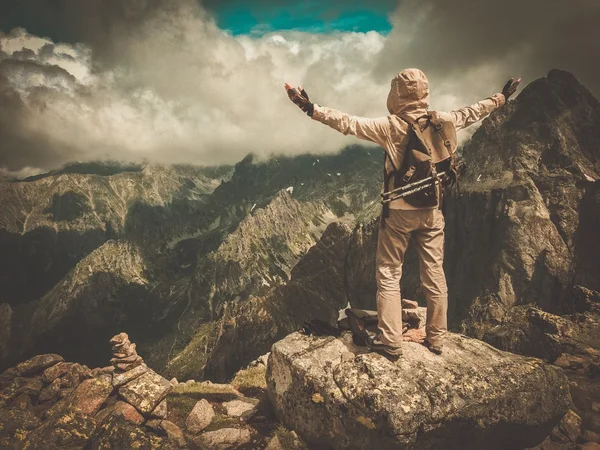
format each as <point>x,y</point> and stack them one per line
<point>430,150</point>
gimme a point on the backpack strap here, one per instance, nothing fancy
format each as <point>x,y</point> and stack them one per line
<point>438,126</point>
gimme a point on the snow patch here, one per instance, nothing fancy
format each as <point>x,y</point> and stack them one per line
<point>290,189</point>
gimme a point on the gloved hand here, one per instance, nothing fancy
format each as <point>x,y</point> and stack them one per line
<point>510,88</point>
<point>300,99</point>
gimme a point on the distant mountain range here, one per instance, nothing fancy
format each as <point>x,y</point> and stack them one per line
<point>206,267</point>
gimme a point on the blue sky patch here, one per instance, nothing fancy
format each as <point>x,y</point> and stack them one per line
<point>260,17</point>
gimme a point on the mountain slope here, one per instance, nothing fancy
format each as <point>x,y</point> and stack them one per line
<point>200,249</point>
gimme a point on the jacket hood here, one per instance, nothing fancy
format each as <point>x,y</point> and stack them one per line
<point>409,93</point>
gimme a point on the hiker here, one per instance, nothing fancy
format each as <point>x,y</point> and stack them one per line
<point>407,103</point>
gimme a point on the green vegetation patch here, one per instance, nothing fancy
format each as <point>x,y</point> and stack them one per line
<point>251,381</point>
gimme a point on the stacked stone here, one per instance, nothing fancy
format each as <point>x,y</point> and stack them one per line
<point>125,357</point>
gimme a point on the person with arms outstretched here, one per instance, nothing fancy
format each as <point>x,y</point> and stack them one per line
<point>409,125</point>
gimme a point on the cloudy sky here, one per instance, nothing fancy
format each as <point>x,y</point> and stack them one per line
<point>198,82</point>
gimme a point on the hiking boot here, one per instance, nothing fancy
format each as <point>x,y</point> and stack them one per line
<point>434,348</point>
<point>374,343</point>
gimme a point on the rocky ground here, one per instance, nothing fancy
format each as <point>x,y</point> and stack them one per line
<point>333,393</point>
<point>48,403</point>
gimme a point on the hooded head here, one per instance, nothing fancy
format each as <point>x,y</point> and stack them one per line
<point>409,93</point>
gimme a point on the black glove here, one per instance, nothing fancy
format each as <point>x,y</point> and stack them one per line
<point>510,88</point>
<point>300,99</point>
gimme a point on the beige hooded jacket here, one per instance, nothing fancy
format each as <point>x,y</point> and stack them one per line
<point>409,96</point>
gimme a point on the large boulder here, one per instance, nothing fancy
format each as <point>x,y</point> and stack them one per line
<point>473,396</point>
<point>146,391</point>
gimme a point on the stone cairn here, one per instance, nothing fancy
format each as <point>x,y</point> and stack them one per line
<point>125,357</point>
<point>61,400</point>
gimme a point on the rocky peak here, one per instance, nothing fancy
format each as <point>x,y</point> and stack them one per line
<point>551,128</point>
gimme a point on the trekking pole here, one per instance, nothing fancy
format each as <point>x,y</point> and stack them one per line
<point>411,188</point>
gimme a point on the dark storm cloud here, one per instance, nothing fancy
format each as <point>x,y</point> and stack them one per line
<point>22,143</point>
<point>490,40</point>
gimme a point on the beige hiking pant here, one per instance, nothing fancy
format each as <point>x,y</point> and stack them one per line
<point>427,227</point>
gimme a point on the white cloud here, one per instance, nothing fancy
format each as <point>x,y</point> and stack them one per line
<point>183,91</point>
<point>166,84</point>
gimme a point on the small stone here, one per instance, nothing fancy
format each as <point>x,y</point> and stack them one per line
<point>174,381</point>
<point>63,393</point>
<point>153,424</point>
<point>593,422</point>
<point>22,402</point>
<point>200,417</point>
<point>29,386</point>
<point>124,378</point>
<point>55,371</point>
<point>119,339</point>
<point>129,366</point>
<point>591,436</point>
<point>568,430</point>
<point>562,361</point>
<point>223,439</point>
<point>50,392</point>
<point>7,377</point>
<point>146,391</point>
<point>128,359</point>
<point>235,408</point>
<point>173,432</point>
<point>129,412</point>
<point>69,380</point>
<point>160,412</point>
<point>91,394</point>
<point>38,363</point>
<point>108,370</point>
<point>188,382</point>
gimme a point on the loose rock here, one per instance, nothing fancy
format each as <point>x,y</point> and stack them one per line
<point>50,392</point>
<point>91,394</point>
<point>200,417</point>
<point>161,411</point>
<point>146,391</point>
<point>223,439</point>
<point>173,432</point>
<point>55,371</point>
<point>38,363</point>
<point>235,408</point>
<point>128,412</point>
<point>124,378</point>
<point>29,386</point>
